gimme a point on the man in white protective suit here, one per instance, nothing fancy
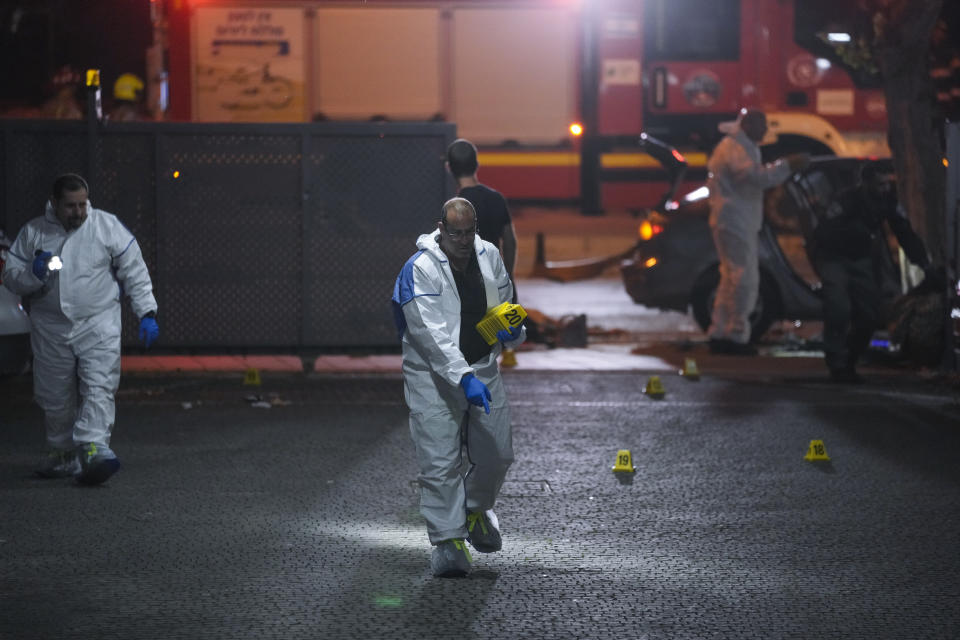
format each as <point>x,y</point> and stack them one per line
<point>73,264</point>
<point>452,383</point>
<point>737,179</point>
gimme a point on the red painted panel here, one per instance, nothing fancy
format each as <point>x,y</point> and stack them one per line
<point>533,183</point>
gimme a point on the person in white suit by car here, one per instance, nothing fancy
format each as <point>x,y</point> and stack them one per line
<point>737,179</point>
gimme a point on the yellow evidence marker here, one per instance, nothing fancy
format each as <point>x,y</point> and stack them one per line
<point>654,388</point>
<point>624,462</point>
<point>251,378</point>
<point>502,316</point>
<point>817,451</point>
<point>690,370</point>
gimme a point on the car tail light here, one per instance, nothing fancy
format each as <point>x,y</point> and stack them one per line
<point>648,230</point>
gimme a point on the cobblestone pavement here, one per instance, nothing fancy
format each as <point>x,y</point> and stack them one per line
<point>301,520</point>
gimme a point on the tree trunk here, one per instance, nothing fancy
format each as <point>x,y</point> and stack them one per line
<point>903,29</point>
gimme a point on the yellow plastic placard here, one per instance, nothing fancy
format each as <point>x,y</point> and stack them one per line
<point>252,378</point>
<point>654,387</point>
<point>817,451</point>
<point>502,316</point>
<point>624,462</point>
<point>690,370</point>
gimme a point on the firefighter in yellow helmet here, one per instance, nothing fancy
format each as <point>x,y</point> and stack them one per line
<point>128,99</point>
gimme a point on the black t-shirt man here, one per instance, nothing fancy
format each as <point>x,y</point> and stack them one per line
<point>492,212</point>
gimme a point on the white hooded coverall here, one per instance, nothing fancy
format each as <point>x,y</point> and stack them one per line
<point>737,180</point>
<point>75,319</point>
<point>426,308</point>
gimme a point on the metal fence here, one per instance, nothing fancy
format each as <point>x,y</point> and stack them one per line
<point>285,236</point>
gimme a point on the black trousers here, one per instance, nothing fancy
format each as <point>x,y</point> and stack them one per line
<point>851,308</point>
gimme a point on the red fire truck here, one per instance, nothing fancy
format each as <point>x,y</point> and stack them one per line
<point>554,92</point>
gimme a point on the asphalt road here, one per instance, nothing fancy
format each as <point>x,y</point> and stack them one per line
<point>301,520</point>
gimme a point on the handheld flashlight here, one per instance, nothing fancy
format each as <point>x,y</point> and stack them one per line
<point>53,262</point>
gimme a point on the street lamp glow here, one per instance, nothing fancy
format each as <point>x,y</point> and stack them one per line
<point>838,37</point>
<point>576,129</point>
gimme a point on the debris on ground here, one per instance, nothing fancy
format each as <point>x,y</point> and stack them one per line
<point>272,399</point>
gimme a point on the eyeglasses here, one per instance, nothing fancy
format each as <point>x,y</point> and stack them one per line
<point>461,234</point>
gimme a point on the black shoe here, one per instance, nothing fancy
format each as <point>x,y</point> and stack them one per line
<point>482,531</point>
<point>845,375</point>
<point>450,559</point>
<point>96,464</point>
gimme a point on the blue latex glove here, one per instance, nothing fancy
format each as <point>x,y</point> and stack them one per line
<point>40,264</point>
<point>149,330</point>
<point>506,335</point>
<point>477,392</point>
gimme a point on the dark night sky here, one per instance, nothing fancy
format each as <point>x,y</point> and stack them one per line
<point>39,36</point>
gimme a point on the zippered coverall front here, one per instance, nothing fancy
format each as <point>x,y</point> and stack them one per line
<point>75,319</point>
<point>426,308</point>
<point>737,180</point>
